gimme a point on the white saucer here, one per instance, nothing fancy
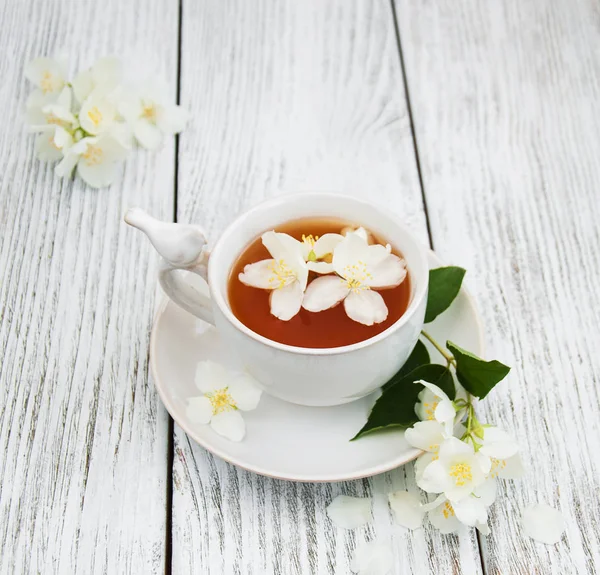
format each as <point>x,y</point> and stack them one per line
<point>284,440</point>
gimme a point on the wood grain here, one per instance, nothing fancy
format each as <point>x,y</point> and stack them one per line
<point>291,96</point>
<point>506,103</point>
<point>83,436</point>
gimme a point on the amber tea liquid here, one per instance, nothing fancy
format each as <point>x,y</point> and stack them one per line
<point>328,328</point>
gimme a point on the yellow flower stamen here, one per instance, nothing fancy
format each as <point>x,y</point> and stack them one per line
<point>282,274</point>
<point>310,239</point>
<point>95,115</point>
<point>149,112</point>
<point>461,473</point>
<point>93,155</point>
<point>497,465</point>
<point>447,510</point>
<point>46,83</point>
<point>52,119</point>
<point>355,275</point>
<point>221,401</point>
<point>430,409</point>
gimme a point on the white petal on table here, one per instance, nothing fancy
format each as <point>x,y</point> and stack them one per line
<point>372,558</point>
<point>350,512</point>
<point>324,292</point>
<point>407,509</point>
<point>258,275</point>
<point>366,307</point>
<point>211,376</point>
<point>244,391</point>
<point>229,424</point>
<point>199,410</point>
<point>543,523</point>
<point>389,272</point>
<point>286,302</point>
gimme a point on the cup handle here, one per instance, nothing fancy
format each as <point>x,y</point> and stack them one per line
<point>183,248</point>
<point>182,292</point>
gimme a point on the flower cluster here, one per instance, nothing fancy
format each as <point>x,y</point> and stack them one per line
<point>350,270</point>
<point>224,395</point>
<point>91,123</point>
<point>461,463</point>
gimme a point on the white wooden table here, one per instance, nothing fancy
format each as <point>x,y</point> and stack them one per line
<point>478,122</point>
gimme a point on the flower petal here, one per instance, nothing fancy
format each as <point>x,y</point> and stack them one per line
<point>147,134</point>
<point>45,148</point>
<point>350,512</point>
<point>244,390</point>
<point>350,250</point>
<point>172,119</point>
<point>498,444</point>
<point>284,247</point>
<point>375,255</point>
<point>46,73</point>
<point>425,435</point>
<point>390,272</point>
<point>437,391</point>
<point>444,518</point>
<point>372,558</point>
<point>320,267</point>
<point>483,528</point>
<point>96,175</point>
<point>66,165</point>
<point>326,244</point>
<point>453,446</point>
<point>229,424</point>
<point>199,410</point>
<point>83,84</point>
<point>486,492</point>
<point>366,307</point>
<point>259,275</point>
<point>433,478</point>
<point>511,468</point>
<point>470,511</point>
<point>324,293</point>
<point>543,523</point>
<point>211,376</point>
<point>407,509</point>
<point>421,463</point>
<point>285,302</point>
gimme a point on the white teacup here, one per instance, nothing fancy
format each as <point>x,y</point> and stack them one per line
<point>307,376</point>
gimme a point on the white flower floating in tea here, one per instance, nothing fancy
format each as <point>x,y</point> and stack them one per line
<point>90,124</point>
<point>360,269</point>
<point>286,274</point>
<point>225,394</point>
<point>350,269</point>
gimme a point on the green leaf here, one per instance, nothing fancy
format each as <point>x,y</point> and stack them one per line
<point>476,375</point>
<point>418,356</point>
<point>396,406</point>
<point>444,285</point>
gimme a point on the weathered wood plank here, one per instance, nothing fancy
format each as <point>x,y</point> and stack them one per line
<point>83,436</point>
<point>291,96</point>
<point>506,103</point>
